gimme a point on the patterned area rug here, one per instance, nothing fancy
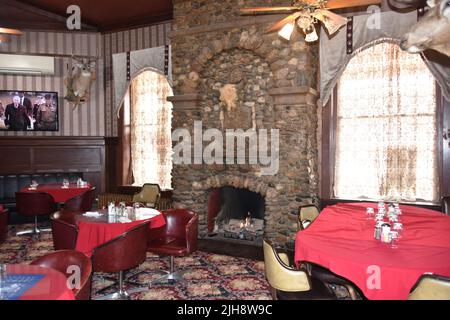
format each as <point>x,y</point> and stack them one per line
<point>207,276</point>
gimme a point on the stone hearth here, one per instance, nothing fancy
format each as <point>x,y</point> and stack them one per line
<point>229,74</point>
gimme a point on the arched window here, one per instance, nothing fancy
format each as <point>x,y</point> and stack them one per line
<point>386,130</point>
<point>150,125</point>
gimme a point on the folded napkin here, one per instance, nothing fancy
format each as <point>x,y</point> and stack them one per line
<point>32,188</point>
<point>124,220</point>
<point>92,214</point>
<point>147,212</point>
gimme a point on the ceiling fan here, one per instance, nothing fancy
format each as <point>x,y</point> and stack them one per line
<point>6,32</point>
<point>306,13</point>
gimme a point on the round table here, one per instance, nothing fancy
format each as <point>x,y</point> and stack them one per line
<point>52,286</point>
<point>59,193</point>
<point>341,239</point>
<point>94,231</point>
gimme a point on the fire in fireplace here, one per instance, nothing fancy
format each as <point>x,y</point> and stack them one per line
<point>236,213</point>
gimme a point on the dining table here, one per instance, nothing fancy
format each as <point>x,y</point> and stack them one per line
<point>342,239</point>
<point>29,282</point>
<point>59,193</point>
<point>98,227</point>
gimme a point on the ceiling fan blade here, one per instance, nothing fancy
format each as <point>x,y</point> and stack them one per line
<point>267,10</point>
<point>331,21</point>
<point>338,4</point>
<point>280,24</point>
<point>11,31</point>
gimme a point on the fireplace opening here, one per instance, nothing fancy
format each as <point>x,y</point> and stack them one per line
<point>236,213</point>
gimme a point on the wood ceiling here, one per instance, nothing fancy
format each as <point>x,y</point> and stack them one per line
<point>99,15</point>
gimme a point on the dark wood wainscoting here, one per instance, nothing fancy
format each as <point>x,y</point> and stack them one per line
<point>92,156</point>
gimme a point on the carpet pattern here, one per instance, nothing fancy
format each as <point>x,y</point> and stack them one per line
<point>207,276</point>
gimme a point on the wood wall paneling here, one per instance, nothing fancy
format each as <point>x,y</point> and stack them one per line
<point>56,154</point>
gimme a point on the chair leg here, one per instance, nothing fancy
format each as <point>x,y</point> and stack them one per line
<point>121,294</point>
<point>171,274</point>
<point>351,292</point>
<point>35,231</point>
<point>273,293</point>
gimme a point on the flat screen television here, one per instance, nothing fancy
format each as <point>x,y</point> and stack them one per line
<point>28,110</point>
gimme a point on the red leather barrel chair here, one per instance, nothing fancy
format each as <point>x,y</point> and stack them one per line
<point>122,253</point>
<point>62,260</point>
<point>34,204</point>
<point>3,224</point>
<point>64,230</point>
<point>82,202</point>
<point>178,238</point>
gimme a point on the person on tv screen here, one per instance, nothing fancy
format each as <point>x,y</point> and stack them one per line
<point>16,118</point>
<point>46,118</point>
<point>2,116</point>
<point>24,101</point>
<point>40,100</point>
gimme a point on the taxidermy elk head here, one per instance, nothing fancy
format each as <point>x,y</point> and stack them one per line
<point>433,29</point>
<point>79,81</point>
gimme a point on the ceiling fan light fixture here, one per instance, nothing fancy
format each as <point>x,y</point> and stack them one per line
<point>312,35</point>
<point>286,31</point>
<point>332,22</point>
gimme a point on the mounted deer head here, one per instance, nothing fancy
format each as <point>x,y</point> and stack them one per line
<point>432,31</point>
<point>79,81</point>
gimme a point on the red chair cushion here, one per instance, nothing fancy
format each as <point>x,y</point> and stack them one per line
<point>168,245</point>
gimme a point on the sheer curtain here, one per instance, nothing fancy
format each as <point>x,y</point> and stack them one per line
<point>151,125</point>
<point>386,137</point>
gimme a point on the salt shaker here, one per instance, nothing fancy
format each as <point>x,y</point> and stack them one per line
<point>385,229</point>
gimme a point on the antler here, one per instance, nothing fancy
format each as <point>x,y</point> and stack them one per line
<point>77,59</point>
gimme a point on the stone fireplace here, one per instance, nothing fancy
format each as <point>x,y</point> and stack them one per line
<point>230,74</point>
<point>233,211</point>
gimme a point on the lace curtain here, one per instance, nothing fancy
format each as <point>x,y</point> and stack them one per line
<point>151,124</point>
<point>386,139</point>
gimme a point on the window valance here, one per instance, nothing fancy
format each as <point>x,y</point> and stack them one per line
<point>393,25</point>
<point>127,65</point>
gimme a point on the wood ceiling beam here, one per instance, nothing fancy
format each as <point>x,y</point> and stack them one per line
<point>43,13</point>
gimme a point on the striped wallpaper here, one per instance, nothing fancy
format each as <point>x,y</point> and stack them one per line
<point>95,118</point>
<point>129,40</point>
<point>87,120</point>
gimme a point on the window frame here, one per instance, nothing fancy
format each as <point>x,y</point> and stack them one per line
<point>328,151</point>
<point>123,156</point>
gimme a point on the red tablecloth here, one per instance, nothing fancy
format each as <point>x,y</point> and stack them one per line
<point>341,239</point>
<point>93,234</point>
<point>52,287</point>
<point>58,193</point>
